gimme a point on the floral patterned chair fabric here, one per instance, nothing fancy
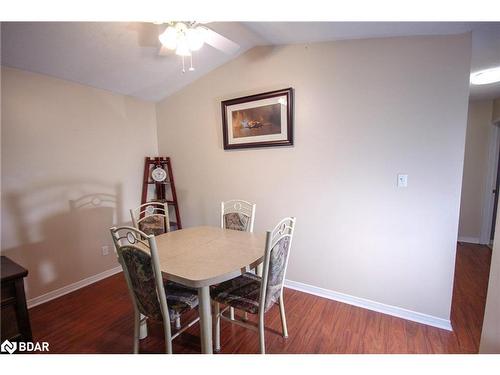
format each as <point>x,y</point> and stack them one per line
<point>236,221</point>
<point>151,218</point>
<point>154,224</point>
<point>277,264</point>
<point>152,296</point>
<point>180,299</point>
<point>243,292</point>
<point>247,292</point>
<point>139,267</point>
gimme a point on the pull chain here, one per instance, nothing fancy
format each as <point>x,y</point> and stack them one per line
<point>191,68</point>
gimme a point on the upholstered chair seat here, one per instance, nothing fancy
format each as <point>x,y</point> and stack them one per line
<point>180,299</point>
<point>239,215</point>
<point>254,294</point>
<point>242,292</point>
<point>153,219</point>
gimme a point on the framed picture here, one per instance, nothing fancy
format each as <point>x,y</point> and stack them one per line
<point>262,120</point>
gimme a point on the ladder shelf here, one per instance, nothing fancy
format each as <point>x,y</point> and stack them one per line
<point>164,190</point>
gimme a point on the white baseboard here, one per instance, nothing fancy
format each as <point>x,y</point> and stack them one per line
<point>371,305</point>
<point>475,240</point>
<point>317,291</point>
<point>72,287</point>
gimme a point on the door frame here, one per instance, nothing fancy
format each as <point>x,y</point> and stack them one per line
<point>488,197</point>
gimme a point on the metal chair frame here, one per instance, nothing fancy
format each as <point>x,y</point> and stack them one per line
<point>245,208</point>
<point>146,243</point>
<point>285,228</point>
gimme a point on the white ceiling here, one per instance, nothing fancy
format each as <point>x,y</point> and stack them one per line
<point>122,57</point>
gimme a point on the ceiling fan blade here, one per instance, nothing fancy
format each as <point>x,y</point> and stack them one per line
<point>203,22</point>
<point>220,42</point>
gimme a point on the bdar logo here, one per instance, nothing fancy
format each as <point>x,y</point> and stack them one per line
<point>8,346</point>
<point>11,347</point>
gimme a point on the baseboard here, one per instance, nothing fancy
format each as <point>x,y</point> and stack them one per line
<point>72,287</point>
<point>317,291</point>
<point>474,240</point>
<point>371,305</point>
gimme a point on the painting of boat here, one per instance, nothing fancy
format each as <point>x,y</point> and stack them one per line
<point>253,124</point>
<point>258,120</point>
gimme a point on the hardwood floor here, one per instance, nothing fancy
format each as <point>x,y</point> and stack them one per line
<point>98,319</point>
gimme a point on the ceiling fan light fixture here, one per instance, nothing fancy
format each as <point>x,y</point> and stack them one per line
<point>187,37</point>
<point>183,47</point>
<point>169,38</point>
<point>181,27</point>
<point>195,38</point>
<point>487,76</point>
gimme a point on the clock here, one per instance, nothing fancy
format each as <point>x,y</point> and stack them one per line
<point>158,174</point>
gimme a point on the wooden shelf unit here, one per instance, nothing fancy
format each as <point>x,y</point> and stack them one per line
<point>161,189</point>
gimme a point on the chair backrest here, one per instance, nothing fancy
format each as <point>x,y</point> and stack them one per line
<point>151,218</point>
<point>93,201</point>
<point>237,215</point>
<point>277,254</point>
<point>138,256</point>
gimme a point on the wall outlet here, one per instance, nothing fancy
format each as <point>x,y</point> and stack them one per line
<point>402,180</point>
<point>105,250</point>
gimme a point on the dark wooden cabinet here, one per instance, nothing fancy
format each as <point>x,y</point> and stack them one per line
<point>15,319</point>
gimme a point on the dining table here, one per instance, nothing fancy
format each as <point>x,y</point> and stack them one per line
<point>200,257</point>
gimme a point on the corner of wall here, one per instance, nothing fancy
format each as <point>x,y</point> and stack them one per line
<point>157,128</point>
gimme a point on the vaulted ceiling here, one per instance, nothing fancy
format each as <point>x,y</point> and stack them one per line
<point>122,57</point>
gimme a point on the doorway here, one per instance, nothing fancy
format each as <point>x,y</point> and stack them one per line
<point>491,197</point>
<point>495,198</point>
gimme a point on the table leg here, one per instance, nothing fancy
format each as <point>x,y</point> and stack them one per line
<point>23,319</point>
<point>258,270</point>
<point>205,319</point>
<point>143,330</point>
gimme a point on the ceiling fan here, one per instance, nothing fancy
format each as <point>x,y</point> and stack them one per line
<point>184,38</point>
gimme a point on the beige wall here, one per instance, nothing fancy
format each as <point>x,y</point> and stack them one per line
<point>496,111</point>
<point>477,143</point>
<point>490,337</point>
<point>364,111</point>
<point>63,142</point>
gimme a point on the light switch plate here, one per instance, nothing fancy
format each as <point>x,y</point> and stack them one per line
<point>402,180</point>
<point>105,250</point>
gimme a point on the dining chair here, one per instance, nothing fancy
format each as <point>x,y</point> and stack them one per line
<point>237,214</point>
<point>151,218</point>
<point>254,294</point>
<point>152,296</point>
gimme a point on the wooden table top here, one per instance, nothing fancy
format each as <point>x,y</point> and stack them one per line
<point>203,256</point>
<point>11,270</point>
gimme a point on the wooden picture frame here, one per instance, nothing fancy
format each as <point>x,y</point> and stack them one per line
<point>261,120</point>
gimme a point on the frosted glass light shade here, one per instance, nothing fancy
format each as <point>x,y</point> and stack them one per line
<point>183,47</point>
<point>169,38</point>
<point>195,38</point>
